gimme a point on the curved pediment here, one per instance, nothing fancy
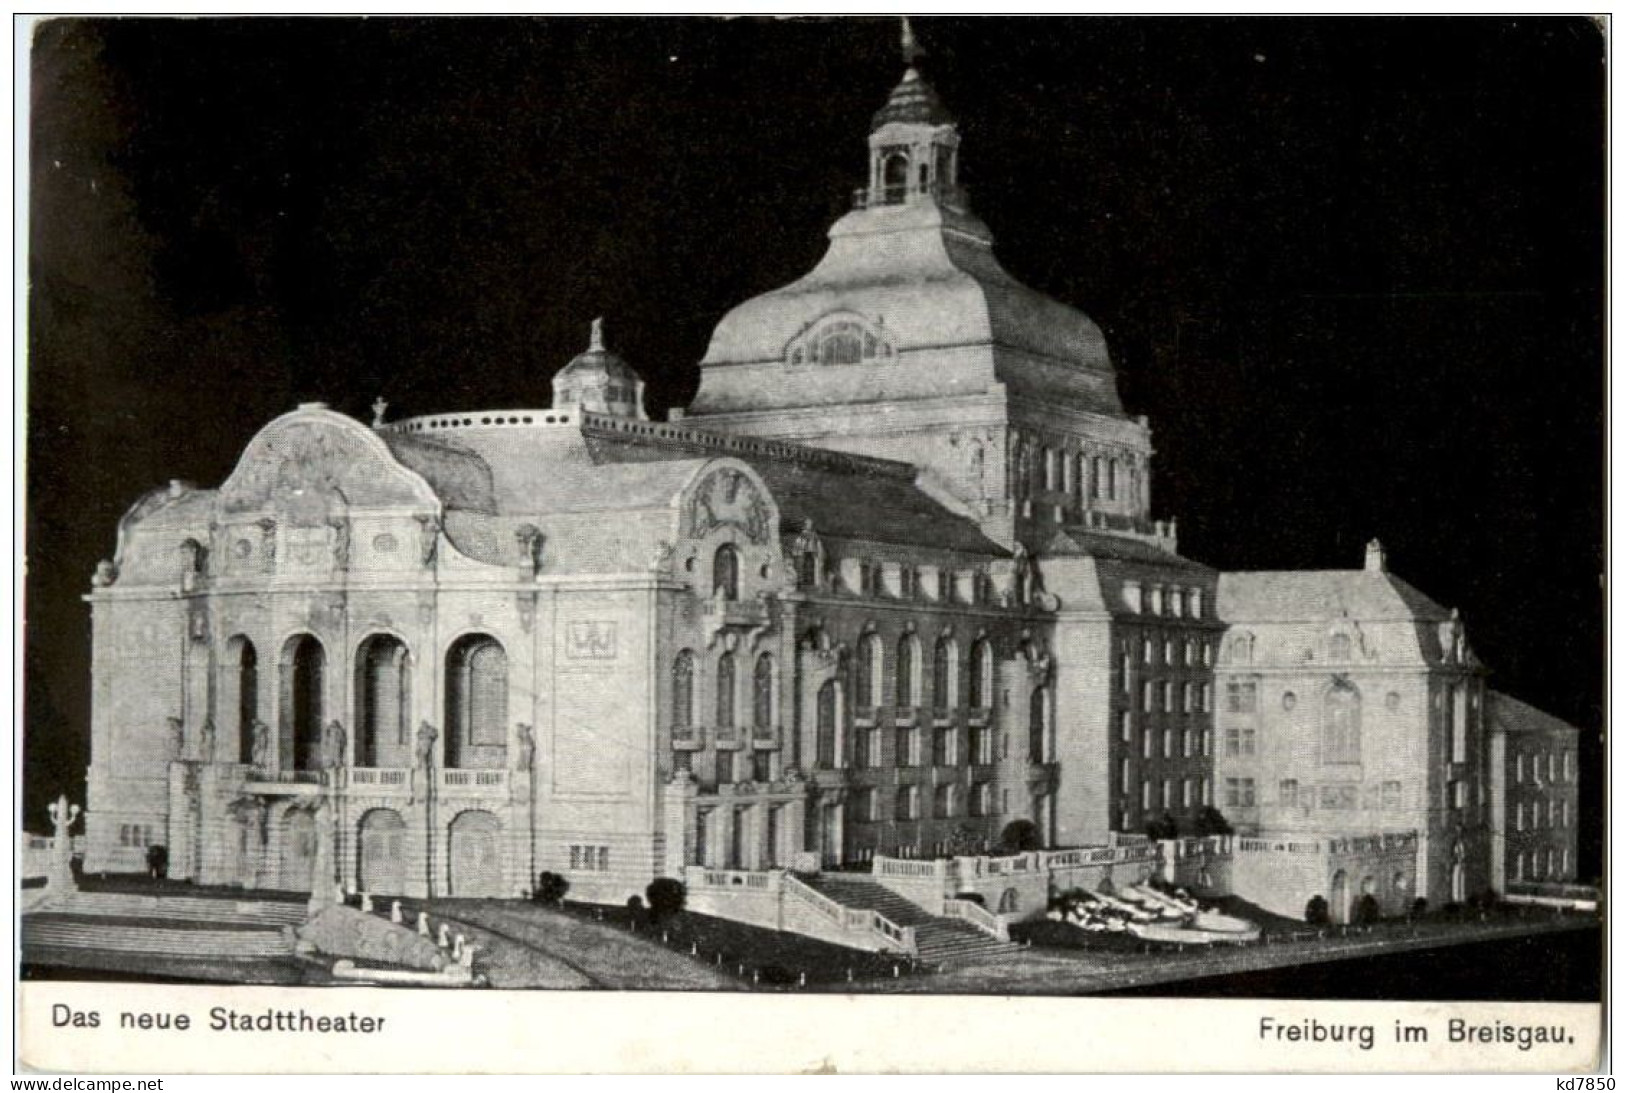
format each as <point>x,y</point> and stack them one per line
<point>310,462</point>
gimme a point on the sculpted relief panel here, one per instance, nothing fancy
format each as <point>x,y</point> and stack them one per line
<point>309,471</point>
<point>728,498</point>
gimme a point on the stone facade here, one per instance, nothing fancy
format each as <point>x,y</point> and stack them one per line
<point>892,584</point>
<point>1535,772</point>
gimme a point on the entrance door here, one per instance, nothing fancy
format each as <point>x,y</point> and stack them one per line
<point>830,835</point>
<point>298,851</point>
<point>476,867</point>
<point>380,854</point>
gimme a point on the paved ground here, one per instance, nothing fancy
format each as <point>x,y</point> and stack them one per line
<point>595,954</point>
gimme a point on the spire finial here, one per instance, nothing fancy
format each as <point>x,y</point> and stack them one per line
<point>597,335</point>
<point>911,46</point>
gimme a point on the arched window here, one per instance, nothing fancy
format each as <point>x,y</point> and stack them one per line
<point>383,714</point>
<point>243,697</point>
<point>1340,734</point>
<point>981,675</point>
<point>829,715</point>
<point>725,573</point>
<point>304,664</point>
<point>1111,480</point>
<point>894,176</point>
<point>945,674</point>
<point>763,694</point>
<point>1340,648</point>
<point>871,663</point>
<point>1038,726</point>
<point>908,670</point>
<point>476,703</point>
<point>682,690</point>
<point>727,680</point>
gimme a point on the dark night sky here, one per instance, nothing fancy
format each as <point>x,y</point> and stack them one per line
<point>1351,268</point>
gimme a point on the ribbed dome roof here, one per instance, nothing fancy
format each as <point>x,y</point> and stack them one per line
<point>912,102</point>
<point>597,359</point>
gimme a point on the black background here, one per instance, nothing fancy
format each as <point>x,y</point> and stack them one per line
<point>1351,268</point>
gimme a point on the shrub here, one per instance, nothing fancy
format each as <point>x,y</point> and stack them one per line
<point>550,889</point>
<point>1419,907</point>
<point>776,974</point>
<point>1018,837</point>
<point>1367,910</point>
<point>1316,912</point>
<point>1164,827</point>
<point>666,897</point>
<point>158,861</point>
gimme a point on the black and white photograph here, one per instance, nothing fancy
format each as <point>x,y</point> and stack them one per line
<point>1099,509</point>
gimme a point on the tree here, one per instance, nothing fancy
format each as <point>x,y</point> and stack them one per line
<point>1163,827</point>
<point>1316,912</point>
<point>1367,910</point>
<point>158,861</point>
<point>1210,821</point>
<point>1018,837</point>
<point>665,897</point>
<point>550,889</point>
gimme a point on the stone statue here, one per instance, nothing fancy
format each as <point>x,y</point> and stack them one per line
<point>366,902</point>
<point>176,740</point>
<point>423,924</point>
<point>379,408</point>
<point>333,745</point>
<point>206,742</point>
<point>106,573</point>
<point>260,745</point>
<point>427,735</point>
<point>341,542</point>
<point>468,955</point>
<point>525,753</point>
<point>443,938</point>
<point>530,540</point>
<point>457,948</point>
<point>428,538</point>
<point>321,871</point>
<point>395,912</point>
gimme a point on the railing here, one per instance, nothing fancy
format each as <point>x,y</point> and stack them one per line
<point>899,867</point>
<point>297,777</point>
<point>851,918</point>
<point>952,195</point>
<point>901,936</point>
<point>687,738</point>
<point>380,776</point>
<point>702,877</point>
<point>473,781</point>
<point>978,916</point>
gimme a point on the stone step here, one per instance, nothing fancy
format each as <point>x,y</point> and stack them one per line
<point>224,944</point>
<point>191,908</point>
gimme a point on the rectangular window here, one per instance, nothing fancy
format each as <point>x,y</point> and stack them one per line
<point>1148,744</point>
<point>1185,793</point>
<point>1232,743</point>
<point>1126,722</point>
<point>725,767</point>
<point>1517,775</point>
<point>762,767</point>
<point>1551,766</point>
<point>1207,692</point>
<point>1127,671</point>
<point>1167,696</point>
<point>1207,743</point>
<point>1568,766</point>
<point>1167,743</point>
<point>1289,793</point>
<point>1207,790</point>
<point>1187,742</point>
<point>1241,696</point>
<point>1232,792</point>
<point>1167,793</point>
<point>1147,695</point>
<point>1145,794</point>
<point>1187,696</point>
<point>603,859</point>
<point>1343,796</point>
<point>1249,741</point>
<point>1148,651</point>
<point>1125,780</point>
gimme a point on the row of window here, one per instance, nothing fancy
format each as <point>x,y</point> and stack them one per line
<point>1173,601</point>
<point>1173,651</point>
<point>1339,796</point>
<point>907,684</point>
<point>1092,478</point>
<point>764,691</point>
<point>1169,793</point>
<point>1167,696</point>
<point>1174,742</point>
<point>911,584</point>
<point>727,766</point>
<point>1558,864</point>
<point>589,859</point>
<point>947,801</point>
<point>1339,719</point>
<point>1556,814</point>
<point>907,750</point>
<point>1528,767</point>
<point>137,835</point>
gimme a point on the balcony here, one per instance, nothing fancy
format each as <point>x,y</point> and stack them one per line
<point>947,194</point>
<point>766,737</point>
<point>473,783</point>
<point>284,783</point>
<point>381,780</point>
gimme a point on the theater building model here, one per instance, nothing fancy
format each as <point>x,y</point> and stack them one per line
<point>893,584</point>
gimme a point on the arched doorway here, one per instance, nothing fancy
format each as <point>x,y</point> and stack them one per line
<point>380,852</point>
<point>476,864</point>
<point>1458,883</point>
<point>239,697</point>
<point>383,713</point>
<point>1340,897</point>
<point>298,843</point>
<point>303,664</point>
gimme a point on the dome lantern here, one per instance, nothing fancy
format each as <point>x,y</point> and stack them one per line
<point>597,381</point>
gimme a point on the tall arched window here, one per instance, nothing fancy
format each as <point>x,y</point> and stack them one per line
<point>1111,480</point>
<point>304,664</point>
<point>243,693</point>
<point>682,690</point>
<point>476,703</point>
<point>981,674</point>
<point>829,714</point>
<point>1340,734</point>
<point>725,573</point>
<point>1097,478</point>
<point>871,663</point>
<point>763,693</point>
<point>727,679</point>
<point>1038,726</point>
<point>908,670</point>
<point>945,674</point>
<point>383,702</point>
<point>894,176</point>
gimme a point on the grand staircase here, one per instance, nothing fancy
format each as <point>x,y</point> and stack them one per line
<point>937,940</point>
<point>180,926</point>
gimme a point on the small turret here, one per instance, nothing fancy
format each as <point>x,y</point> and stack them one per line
<point>1376,559</point>
<point>599,382</point>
